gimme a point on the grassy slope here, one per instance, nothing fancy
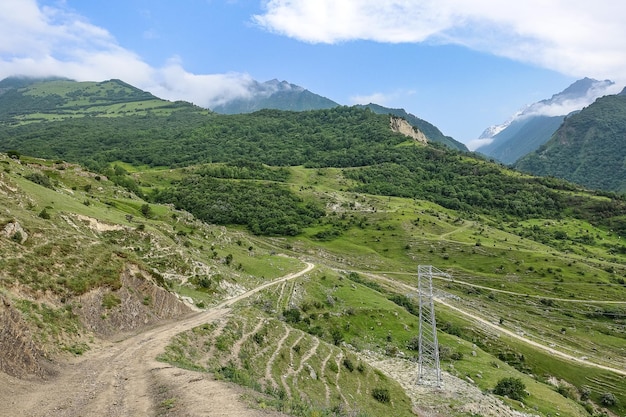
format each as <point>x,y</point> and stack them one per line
<point>497,274</point>
<point>559,291</point>
<point>558,295</point>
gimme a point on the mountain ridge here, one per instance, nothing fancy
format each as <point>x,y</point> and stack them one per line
<point>28,101</point>
<point>532,126</point>
<point>587,148</point>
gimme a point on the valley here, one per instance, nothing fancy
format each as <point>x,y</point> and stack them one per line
<point>178,262</point>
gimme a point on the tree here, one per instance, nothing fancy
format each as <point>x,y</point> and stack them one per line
<point>337,336</point>
<point>511,387</point>
<point>146,210</point>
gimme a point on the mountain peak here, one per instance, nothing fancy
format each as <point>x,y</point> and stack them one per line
<point>533,125</point>
<point>583,86</point>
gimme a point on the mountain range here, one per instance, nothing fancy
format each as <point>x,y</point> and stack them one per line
<point>533,126</point>
<point>160,249</point>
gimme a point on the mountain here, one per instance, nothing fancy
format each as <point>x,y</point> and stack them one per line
<point>295,236</point>
<point>275,94</point>
<point>281,95</point>
<point>431,132</point>
<point>531,127</point>
<point>27,100</point>
<point>588,148</point>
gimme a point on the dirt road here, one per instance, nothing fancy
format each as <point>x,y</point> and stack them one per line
<point>550,350</point>
<point>502,330</point>
<point>124,379</point>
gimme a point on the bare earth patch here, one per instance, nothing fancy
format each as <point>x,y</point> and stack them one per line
<point>124,379</point>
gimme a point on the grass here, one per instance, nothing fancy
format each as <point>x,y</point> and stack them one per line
<point>498,272</point>
<point>299,381</point>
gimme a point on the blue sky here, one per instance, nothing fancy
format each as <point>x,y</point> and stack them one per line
<point>461,65</point>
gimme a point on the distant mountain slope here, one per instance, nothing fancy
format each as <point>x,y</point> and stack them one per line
<point>279,95</point>
<point>28,100</point>
<point>24,100</point>
<point>588,148</point>
<point>431,131</point>
<point>533,126</point>
<point>521,137</point>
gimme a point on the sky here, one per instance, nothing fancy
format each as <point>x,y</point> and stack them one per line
<point>461,65</point>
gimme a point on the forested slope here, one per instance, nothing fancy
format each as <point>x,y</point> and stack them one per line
<point>588,148</point>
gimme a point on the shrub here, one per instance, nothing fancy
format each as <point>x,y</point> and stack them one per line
<point>608,399</point>
<point>40,179</point>
<point>511,387</point>
<point>17,237</point>
<point>381,395</point>
<point>585,393</point>
<point>146,210</point>
<point>337,336</point>
<point>348,364</point>
<point>292,315</point>
<point>414,344</point>
<point>110,300</point>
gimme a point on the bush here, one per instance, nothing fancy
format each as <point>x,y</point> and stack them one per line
<point>381,395</point>
<point>110,300</point>
<point>414,344</point>
<point>146,210</point>
<point>40,179</point>
<point>585,393</point>
<point>348,364</point>
<point>511,387</point>
<point>337,336</point>
<point>608,399</point>
<point>292,315</point>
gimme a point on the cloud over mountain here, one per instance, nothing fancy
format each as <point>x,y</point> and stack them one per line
<point>575,37</point>
<point>47,41</point>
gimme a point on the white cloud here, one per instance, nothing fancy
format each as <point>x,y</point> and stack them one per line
<point>575,37</point>
<point>474,144</point>
<point>382,99</point>
<point>330,21</point>
<point>377,98</point>
<point>173,82</point>
<point>52,41</point>
<point>560,106</point>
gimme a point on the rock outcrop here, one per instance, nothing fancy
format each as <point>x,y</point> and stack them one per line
<point>19,355</point>
<point>400,125</point>
<point>15,231</point>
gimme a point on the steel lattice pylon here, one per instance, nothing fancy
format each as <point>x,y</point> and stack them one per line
<point>429,369</point>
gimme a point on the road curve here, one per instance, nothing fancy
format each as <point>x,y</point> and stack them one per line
<point>125,379</point>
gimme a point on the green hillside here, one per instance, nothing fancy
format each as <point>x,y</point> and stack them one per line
<point>276,95</point>
<point>207,206</point>
<point>432,132</point>
<point>28,100</point>
<point>587,149</point>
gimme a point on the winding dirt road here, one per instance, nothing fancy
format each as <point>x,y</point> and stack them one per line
<point>125,379</point>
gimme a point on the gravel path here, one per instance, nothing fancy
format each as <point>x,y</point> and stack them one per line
<point>125,379</point>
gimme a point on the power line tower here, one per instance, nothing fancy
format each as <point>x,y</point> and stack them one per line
<point>429,369</point>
